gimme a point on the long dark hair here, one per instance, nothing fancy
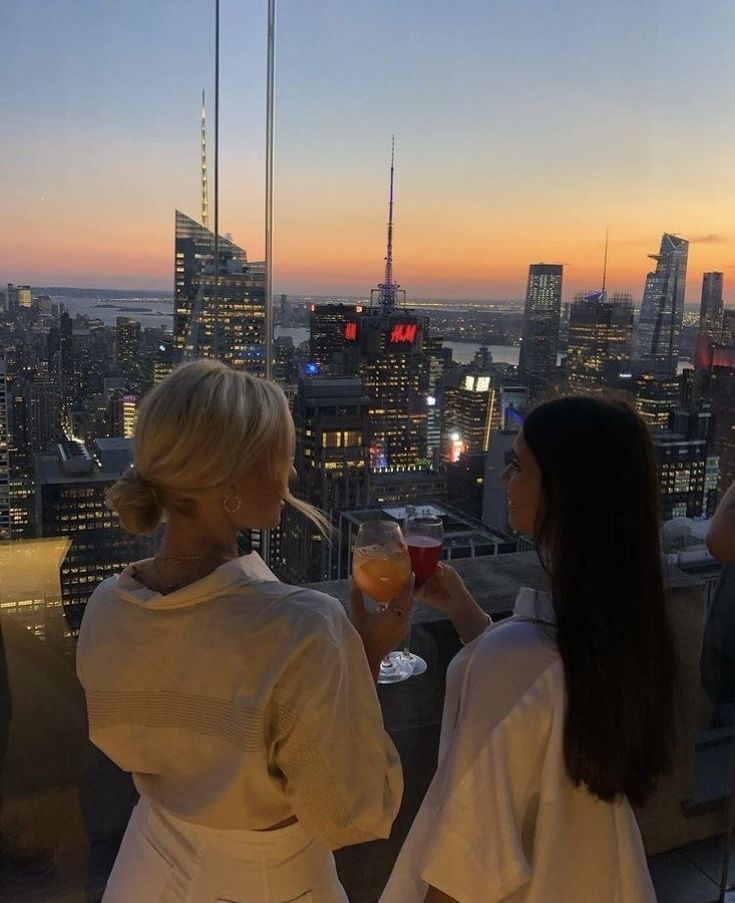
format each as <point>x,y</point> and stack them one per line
<point>597,535</point>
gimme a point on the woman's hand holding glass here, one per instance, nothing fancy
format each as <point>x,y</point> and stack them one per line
<point>383,630</point>
<point>445,591</point>
<point>381,568</point>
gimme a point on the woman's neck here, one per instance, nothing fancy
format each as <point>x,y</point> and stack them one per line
<point>185,538</point>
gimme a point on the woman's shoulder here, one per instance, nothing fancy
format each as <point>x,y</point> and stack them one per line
<point>297,610</point>
<point>520,650</point>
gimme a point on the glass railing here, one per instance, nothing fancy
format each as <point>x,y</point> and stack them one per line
<point>522,176</point>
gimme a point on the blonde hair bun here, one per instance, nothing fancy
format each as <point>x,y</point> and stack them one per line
<point>197,431</point>
<point>136,503</point>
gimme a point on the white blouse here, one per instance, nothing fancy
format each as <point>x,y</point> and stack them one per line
<point>238,701</point>
<point>501,820</point>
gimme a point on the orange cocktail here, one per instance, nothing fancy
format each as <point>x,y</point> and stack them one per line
<point>381,571</point>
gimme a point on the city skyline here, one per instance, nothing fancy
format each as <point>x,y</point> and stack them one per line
<point>497,164</point>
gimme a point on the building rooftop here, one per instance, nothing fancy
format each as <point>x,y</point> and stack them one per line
<point>102,463</point>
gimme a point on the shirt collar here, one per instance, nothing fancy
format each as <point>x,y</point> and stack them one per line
<point>240,571</point>
<point>534,603</point>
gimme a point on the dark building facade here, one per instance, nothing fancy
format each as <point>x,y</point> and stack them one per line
<point>331,417</point>
<point>600,330</point>
<point>332,334</point>
<point>537,361</point>
<point>662,308</point>
<point>70,502</point>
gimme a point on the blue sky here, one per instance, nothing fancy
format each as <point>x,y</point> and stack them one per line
<point>523,129</point>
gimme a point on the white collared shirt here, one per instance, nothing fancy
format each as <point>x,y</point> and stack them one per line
<point>501,820</point>
<point>238,701</point>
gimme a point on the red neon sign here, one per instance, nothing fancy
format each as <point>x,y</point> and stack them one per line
<point>351,332</point>
<point>403,332</point>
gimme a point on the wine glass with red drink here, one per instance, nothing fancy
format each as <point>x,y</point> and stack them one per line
<point>424,536</point>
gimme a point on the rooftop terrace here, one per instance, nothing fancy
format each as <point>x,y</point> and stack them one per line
<point>65,806</point>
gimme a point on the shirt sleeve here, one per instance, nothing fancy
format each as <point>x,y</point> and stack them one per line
<point>341,772</point>
<point>477,824</point>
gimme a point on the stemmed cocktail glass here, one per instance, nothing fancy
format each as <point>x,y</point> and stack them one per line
<point>424,536</point>
<point>381,568</point>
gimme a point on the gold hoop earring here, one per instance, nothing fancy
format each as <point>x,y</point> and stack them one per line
<point>235,508</point>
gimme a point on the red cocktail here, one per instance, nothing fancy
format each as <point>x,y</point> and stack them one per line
<point>425,552</point>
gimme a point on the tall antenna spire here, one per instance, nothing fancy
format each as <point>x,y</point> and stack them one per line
<point>388,288</point>
<point>604,266</point>
<point>205,189</point>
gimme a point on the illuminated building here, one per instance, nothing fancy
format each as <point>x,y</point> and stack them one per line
<point>332,462</point>
<point>20,465</point>
<point>537,360</point>
<point>728,326</point>
<point>718,389</point>
<point>469,410</point>
<point>128,352</point>
<point>70,503</point>
<point>5,521</point>
<point>43,417</point>
<point>18,296</point>
<point>659,325</point>
<point>395,373</point>
<point>123,414</point>
<point>332,337</point>
<point>653,394</point>
<point>159,364</point>
<point>30,589</point>
<point>600,330</point>
<point>682,466</point>
<point>413,485</point>
<point>219,310</point>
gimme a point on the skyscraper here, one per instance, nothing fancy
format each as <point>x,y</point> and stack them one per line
<point>469,407</point>
<point>70,502</point>
<point>332,426</point>
<point>219,310</point>
<point>332,334</point>
<point>127,350</point>
<point>390,346</point>
<point>537,361</point>
<point>600,330</point>
<point>659,326</point>
<point>5,522</point>
<point>710,318</point>
<point>395,372</point>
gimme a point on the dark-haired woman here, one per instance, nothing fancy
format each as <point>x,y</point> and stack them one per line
<point>559,718</point>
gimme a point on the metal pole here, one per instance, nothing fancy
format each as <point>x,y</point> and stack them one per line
<point>216,342</point>
<point>269,116</point>
<point>270,91</point>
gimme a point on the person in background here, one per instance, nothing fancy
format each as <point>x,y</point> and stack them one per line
<point>721,534</point>
<point>244,708</point>
<point>560,717</point>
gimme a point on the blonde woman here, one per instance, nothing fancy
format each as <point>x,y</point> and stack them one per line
<point>244,708</point>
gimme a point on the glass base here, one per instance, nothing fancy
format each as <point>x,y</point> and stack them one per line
<point>418,665</point>
<point>394,668</point>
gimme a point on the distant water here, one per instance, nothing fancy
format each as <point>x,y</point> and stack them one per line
<point>149,312</point>
<point>462,352</point>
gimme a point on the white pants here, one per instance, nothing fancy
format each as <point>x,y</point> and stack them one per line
<point>163,859</point>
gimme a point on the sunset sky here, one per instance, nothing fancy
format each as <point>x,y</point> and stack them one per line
<point>523,128</point>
